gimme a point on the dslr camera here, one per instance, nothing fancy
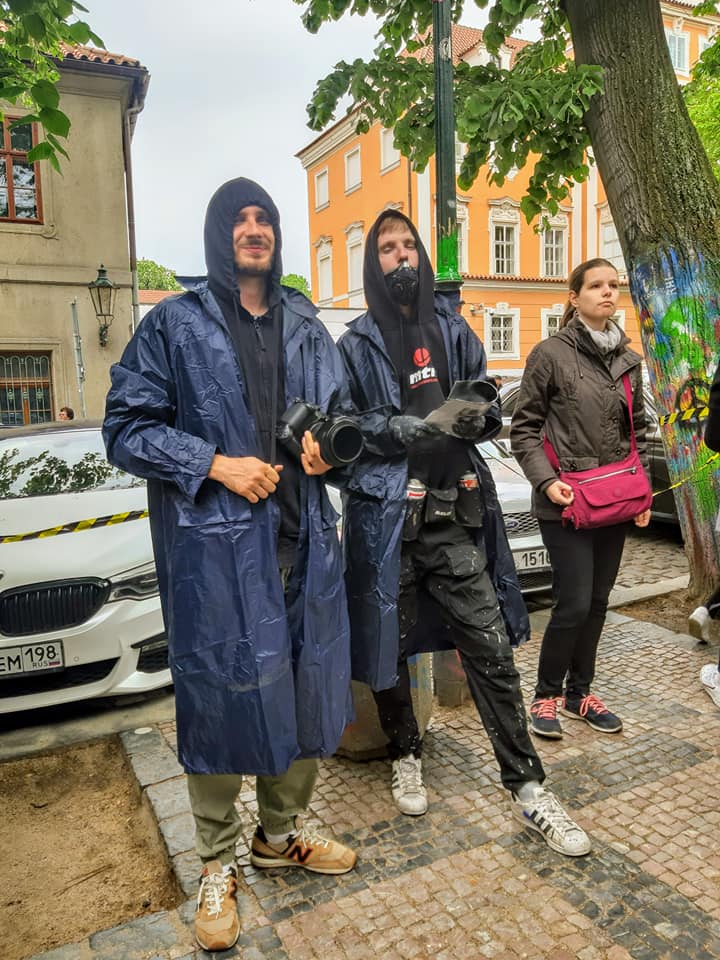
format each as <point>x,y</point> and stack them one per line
<point>340,438</point>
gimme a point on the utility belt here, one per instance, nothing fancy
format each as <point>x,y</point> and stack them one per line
<point>461,504</point>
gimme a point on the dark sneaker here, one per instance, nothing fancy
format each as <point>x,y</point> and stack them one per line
<point>545,815</point>
<point>306,849</point>
<point>543,717</point>
<point>592,711</point>
<point>217,925</point>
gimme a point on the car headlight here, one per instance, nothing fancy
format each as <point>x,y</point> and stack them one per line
<point>136,584</point>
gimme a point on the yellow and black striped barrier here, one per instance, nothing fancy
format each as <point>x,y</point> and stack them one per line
<point>681,416</point>
<point>76,526</point>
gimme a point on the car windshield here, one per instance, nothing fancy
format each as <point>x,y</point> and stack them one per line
<point>64,462</point>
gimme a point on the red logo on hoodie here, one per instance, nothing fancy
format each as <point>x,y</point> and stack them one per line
<point>421,357</point>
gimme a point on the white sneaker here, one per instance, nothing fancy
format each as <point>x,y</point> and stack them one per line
<point>408,789</point>
<point>710,679</point>
<point>699,624</point>
<point>545,815</point>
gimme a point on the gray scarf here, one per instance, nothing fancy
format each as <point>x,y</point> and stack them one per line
<point>605,340</point>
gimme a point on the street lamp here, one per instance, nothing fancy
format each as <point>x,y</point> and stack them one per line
<point>102,293</point>
<point>447,277</point>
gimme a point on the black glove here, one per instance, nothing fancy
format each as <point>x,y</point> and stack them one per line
<point>408,430</point>
<point>469,426</point>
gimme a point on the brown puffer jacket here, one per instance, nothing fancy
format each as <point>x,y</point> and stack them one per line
<point>576,395</point>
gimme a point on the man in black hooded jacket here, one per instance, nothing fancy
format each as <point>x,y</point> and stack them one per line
<point>248,563</point>
<point>427,560</point>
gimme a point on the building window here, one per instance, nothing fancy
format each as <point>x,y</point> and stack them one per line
<point>504,249</point>
<point>324,269</point>
<point>25,389</point>
<point>389,154</point>
<point>502,327</point>
<point>352,170</point>
<point>462,226</point>
<point>704,43</point>
<point>554,259</point>
<point>460,150</point>
<point>322,195</point>
<point>356,297</point>
<point>610,248</point>
<point>550,320</point>
<point>19,180</point>
<point>679,47</point>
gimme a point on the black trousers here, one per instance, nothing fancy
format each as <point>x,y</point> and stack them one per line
<point>445,561</point>
<point>584,565</point>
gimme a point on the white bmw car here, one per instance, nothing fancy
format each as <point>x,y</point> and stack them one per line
<point>79,607</point>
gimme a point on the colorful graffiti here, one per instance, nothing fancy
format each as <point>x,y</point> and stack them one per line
<point>679,313</point>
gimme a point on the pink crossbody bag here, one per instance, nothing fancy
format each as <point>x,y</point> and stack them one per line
<point>614,493</point>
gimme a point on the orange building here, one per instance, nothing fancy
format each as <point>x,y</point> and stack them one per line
<point>514,279</point>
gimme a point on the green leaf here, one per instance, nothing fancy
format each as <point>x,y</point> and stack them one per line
<point>43,151</point>
<point>45,94</point>
<point>55,121</point>
<point>35,26</point>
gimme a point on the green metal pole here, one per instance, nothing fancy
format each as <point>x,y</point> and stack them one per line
<point>447,277</point>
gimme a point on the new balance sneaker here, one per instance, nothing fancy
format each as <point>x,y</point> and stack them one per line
<point>544,814</point>
<point>306,849</point>
<point>710,679</point>
<point>699,624</point>
<point>217,925</point>
<point>408,789</point>
<point>593,711</point>
<point>543,717</point>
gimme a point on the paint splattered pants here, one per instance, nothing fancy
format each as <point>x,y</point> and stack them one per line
<point>445,562</point>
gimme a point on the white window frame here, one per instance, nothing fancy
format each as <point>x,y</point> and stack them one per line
<point>507,265</point>
<point>323,255</point>
<point>705,42</point>
<point>322,201</point>
<point>463,224</point>
<point>506,311</point>
<point>352,185</point>
<point>615,256</point>
<point>460,151</point>
<point>389,153</point>
<point>353,245</point>
<point>546,313</point>
<point>678,34</point>
<point>504,213</point>
<point>559,225</point>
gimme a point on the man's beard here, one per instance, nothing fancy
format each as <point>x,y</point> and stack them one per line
<point>252,270</point>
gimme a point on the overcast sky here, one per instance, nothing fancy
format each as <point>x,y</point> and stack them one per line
<point>230,80</point>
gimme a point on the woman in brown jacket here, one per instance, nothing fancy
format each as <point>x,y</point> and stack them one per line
<point>572,390</point>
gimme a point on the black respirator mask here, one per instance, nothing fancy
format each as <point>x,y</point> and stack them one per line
<point>402,284</point>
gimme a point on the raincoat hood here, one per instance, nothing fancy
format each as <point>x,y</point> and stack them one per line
<point>226,203</point>
<point>385,311</point>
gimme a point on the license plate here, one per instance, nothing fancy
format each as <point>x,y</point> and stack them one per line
<point>531,559</point>
<point>31,658</point>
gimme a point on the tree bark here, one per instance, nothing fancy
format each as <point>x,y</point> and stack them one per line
<point>666,206</point>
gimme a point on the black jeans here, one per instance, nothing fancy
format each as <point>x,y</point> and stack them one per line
<point>445,561</point>
<point>584,565</point>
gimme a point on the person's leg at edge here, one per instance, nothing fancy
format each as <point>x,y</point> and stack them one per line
<point>699,619</point>
<point>279,840</point>
<point>710,673</point>
<point>579,702</point>
<point>395,707</point>
<point>458,579</point>
<point>217,831</point>
<point>571,559</point>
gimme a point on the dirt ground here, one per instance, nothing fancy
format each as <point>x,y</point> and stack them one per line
<point>81,851</point>
<point>670,610</point>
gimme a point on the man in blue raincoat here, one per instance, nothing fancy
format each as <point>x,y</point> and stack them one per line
<point>248,561</point>
<point>427,560</point>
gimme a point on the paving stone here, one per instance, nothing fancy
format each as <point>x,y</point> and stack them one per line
<point>151,758</point>
<point>169,798</point>
<point>178,833</point>
<point>135,940</point>
<point>72,951</point>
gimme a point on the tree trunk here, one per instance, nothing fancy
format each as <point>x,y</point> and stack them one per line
<point>666,206</point>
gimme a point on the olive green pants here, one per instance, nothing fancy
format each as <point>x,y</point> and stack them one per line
<point>217,821</point>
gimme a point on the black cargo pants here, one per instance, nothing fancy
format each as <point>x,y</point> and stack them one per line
<point>446,562</point>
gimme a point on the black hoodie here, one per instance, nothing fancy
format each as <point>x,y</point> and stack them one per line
<point>416,348</point>
<point>258,341</point>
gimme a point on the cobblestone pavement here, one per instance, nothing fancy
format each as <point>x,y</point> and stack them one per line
<point>466,881</point>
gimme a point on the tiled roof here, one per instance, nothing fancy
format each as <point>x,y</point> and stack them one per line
<point>155,296</point>
<point>93,55</point>
<point>464,39</point>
